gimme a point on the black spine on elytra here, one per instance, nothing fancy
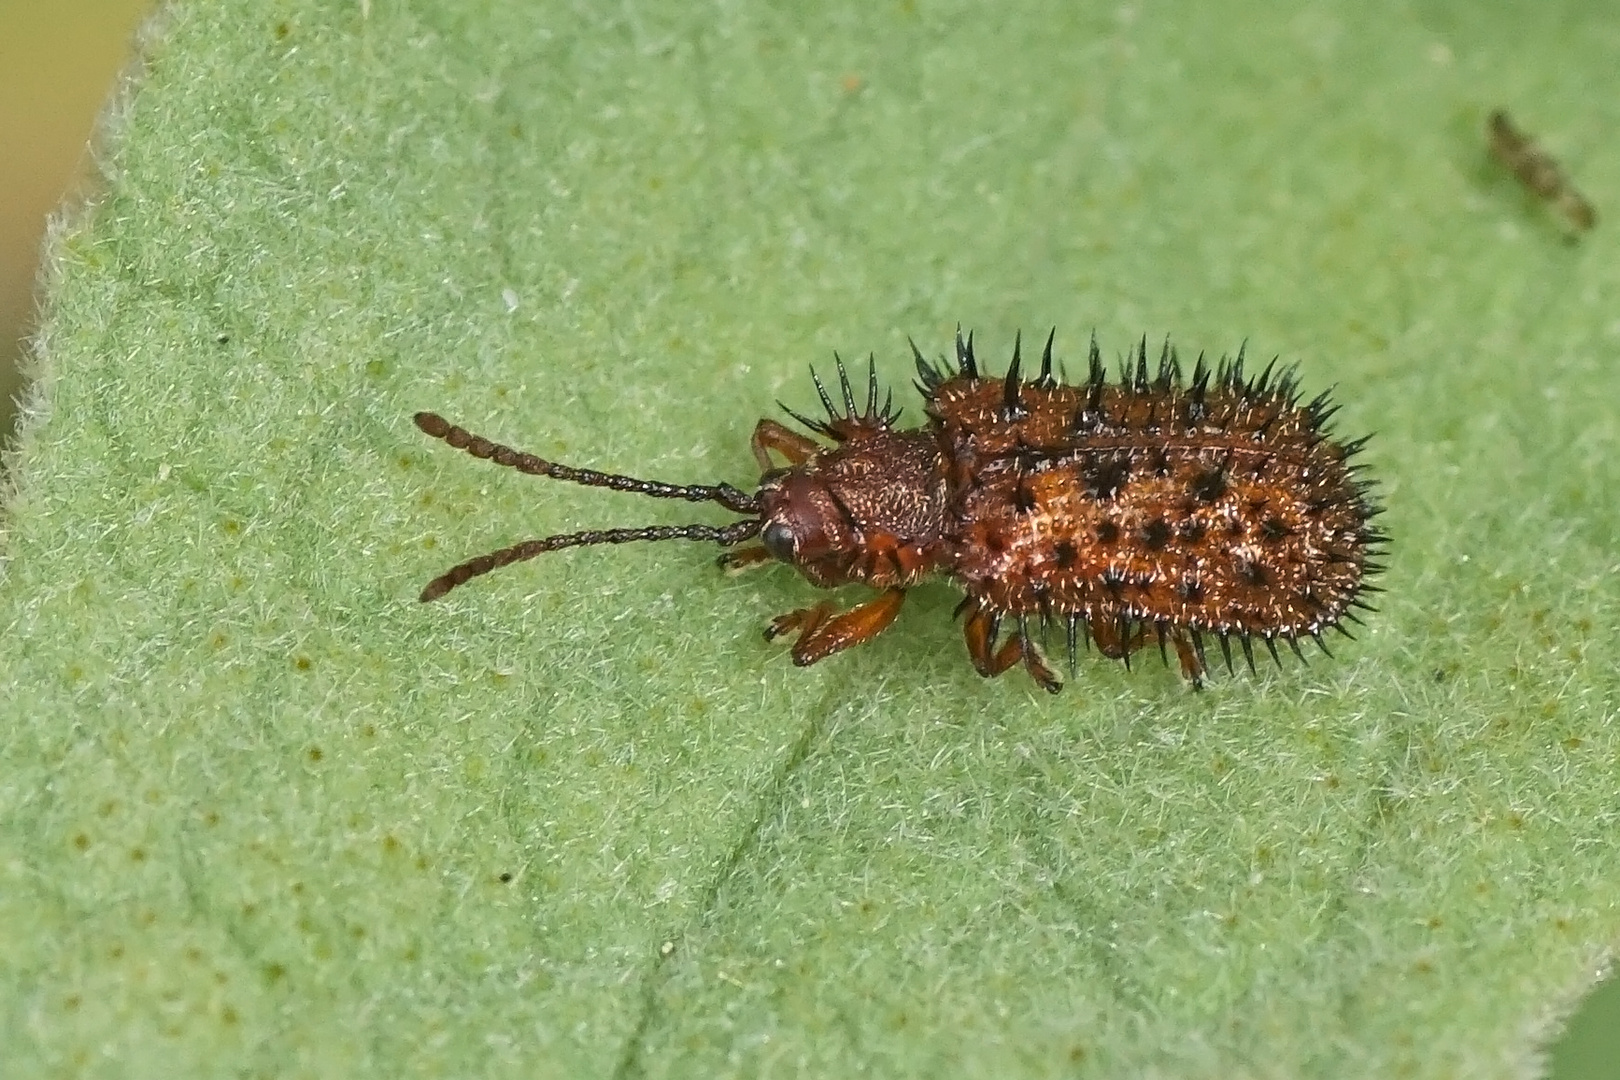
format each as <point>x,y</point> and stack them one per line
<point>1234,370</point>
<point>1012,405</point>
<point>479,447</point>
<point>1319,408</point>
<point>1356,446</point>
<point>1137,381</point>
<point>1088,417</point>
<point>1288,385</point>
<point>1198,391</point>
<point>1261,385</point>
<point>1046,382</point>
<point>930,375</point>
<point>1169,368</point>
<point>1265,426</point>
<point>1096,374</point>
<point>966,362</point>
<point>726,536</point>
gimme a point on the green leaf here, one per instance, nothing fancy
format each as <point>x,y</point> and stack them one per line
<point>262,813</point>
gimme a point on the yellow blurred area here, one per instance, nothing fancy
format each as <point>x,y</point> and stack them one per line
<point>58,63</point>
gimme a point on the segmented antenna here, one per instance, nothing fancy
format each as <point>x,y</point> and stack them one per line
<point>459,575</point>
<point>479,447</point>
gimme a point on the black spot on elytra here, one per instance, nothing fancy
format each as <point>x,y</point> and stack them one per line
<point>1027,460</point>
<point>1315,506</point>
<point>1192,531</point>
<point>1105,475</point>
<point>1155,534</point>
<point>1190,591</point>
<point>1023,499</point>
<point>1161,463</point>
<point>1113,580</point>
<point>1208,485</point>
<point>1250,571</point>
<point>994,542</point>
<point>1274,529</point>
<point>1064,554</point>
<point>1107,533</point>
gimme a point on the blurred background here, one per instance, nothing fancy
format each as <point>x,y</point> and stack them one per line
<point>59,62</point>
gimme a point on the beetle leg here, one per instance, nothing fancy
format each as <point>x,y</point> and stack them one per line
<point>1192,664</point>
<point>740,559</point>
<point>769,435</point>
<point>821,633</point>
<point>980,632</point>
<point>1035,663</point>
<point>805,620</point>
<point>1117,641</point>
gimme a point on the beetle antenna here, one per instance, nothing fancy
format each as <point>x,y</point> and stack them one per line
<point>725,535</point>
<point>479,447</point>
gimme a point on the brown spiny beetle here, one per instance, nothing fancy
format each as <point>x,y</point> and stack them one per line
<point>1150,509</point>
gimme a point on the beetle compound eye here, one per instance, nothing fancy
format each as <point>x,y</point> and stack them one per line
<point>778,540</point>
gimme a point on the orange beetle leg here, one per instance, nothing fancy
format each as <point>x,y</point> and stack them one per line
<point>1192,664</point>
<point>821,633</point>
<point>979,631</point>
<point>769,435</point>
